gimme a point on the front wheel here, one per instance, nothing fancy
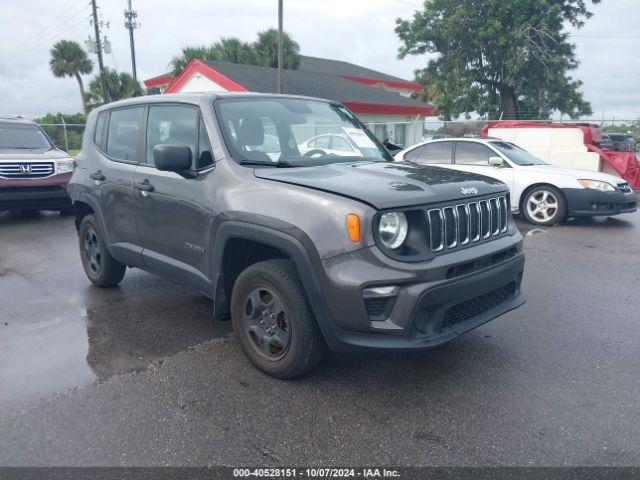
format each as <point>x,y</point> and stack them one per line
<point>544,205</point>
<point>273,321</point>
<point>101,268</point>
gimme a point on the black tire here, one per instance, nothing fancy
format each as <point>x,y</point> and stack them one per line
<point>553,206</point>
<point>101,268</point>
<point>269,295</point>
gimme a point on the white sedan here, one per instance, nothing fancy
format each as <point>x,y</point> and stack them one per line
<point>544,194</point>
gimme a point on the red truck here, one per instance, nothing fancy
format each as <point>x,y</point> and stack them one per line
<point>33,172</point>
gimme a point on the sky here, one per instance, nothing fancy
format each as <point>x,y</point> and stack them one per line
<point>357,31</point>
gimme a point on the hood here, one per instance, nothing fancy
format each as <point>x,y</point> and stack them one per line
<point>386,184</point>
<point>17,154</point>
<point>574,173</point>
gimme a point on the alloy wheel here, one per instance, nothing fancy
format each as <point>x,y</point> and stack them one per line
<point>542,206</point>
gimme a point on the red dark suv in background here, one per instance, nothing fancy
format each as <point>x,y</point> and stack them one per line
<point>33,172</point>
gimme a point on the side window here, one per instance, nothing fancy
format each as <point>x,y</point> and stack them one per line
<point>471,153</point>
<point>340,143</point>
<point>205,155</point>
<point>171,124</point>
<point>122,139</point>
<point>438,152</point>
<point>99,133</point>
<point>413,155</point>
<point>323,142</point>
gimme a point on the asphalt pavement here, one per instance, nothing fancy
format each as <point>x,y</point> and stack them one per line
<point>141,375</point>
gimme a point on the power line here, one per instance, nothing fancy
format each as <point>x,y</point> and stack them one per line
<point>604,36</point>
<point>53,28</point>
<point>52,37</point>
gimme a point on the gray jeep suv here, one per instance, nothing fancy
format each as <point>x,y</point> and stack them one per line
<point>302,251</point>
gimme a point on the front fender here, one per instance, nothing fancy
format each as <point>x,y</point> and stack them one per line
<point>289,239</point>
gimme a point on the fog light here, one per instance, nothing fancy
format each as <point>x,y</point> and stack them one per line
<point>377,292</point>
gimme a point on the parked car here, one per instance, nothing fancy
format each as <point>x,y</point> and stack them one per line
<point>622,142</point>
<point>353,251</point>
<point>335,144</point>
<point>605,142</point>
<point>33,172</point>
<point>544,194</point>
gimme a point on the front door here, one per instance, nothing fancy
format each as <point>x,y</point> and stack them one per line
<point>174,213</point>
<point>474,157</point>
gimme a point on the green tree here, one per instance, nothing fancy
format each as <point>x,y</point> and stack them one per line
<point>68,59</point>
<point>266,47</point>
<point>234,50</point>
<point>120,85</point>
<point>75,128</point>
<point>188,53</point>
<point>495,57</point>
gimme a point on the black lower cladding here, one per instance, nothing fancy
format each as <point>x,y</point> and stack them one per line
<point>478,305</point>
<point>591,202</point>
<point>25,198</point>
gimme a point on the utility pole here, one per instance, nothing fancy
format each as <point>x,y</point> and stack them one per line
<point>130,24</point>
<point>98,43</point>
<point>280,49</point>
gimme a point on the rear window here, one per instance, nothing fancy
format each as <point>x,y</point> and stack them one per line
<point>21,136</point>
<point>122,139</point>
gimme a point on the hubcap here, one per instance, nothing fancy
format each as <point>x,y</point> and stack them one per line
<point>266,322</point>
<point>542,206</point>
<point>92,252</point>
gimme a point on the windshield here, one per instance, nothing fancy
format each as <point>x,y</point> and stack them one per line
<point>517,155</point>
<point>295,132</point>
<point>23,137</point>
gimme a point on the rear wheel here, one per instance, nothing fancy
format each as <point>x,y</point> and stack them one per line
<point>544,205</point>
<point>273,321</point>
<point>101,268</point>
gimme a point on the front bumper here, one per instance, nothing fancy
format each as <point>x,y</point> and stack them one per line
<point>38,194</point>
<point>428,309</point>
<point>590,202</point>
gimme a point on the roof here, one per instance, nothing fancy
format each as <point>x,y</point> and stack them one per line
<point>343,69</point>
<point>15,119</point>
<point>325,66</point>
<point>356,96</point>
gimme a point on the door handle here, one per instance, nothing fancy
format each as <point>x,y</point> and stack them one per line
<point>97,176</point>
<point>144,186</point>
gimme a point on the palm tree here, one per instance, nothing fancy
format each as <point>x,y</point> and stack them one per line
<point>120,85</point>
<point>188,53</point>
<point>68,59</point>
<point>266,48</point>
<point>234,50</point>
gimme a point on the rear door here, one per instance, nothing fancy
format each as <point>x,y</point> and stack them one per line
<point>118,145</point>
<point>436,153</point>
<point>174,213</point>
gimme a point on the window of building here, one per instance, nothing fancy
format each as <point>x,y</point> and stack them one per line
<point>400,134</point>
<point>122,138</point>
<point>380,131</point>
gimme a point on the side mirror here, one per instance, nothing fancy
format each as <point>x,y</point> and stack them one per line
<point>496,162</point>
<point>172,158</point>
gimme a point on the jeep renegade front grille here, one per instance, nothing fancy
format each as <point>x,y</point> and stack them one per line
<point>26,169</point>
<point>461,224</point>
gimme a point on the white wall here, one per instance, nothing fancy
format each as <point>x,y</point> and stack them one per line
<point>199,83</point>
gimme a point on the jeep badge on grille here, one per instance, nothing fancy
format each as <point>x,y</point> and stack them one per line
<point>469,190</point>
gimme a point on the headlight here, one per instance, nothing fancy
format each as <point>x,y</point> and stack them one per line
<point>393,229</point>
<point>597,185</point>
<point>64,165</point>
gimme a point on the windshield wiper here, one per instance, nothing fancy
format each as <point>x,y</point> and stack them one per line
<point>278,164</point>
